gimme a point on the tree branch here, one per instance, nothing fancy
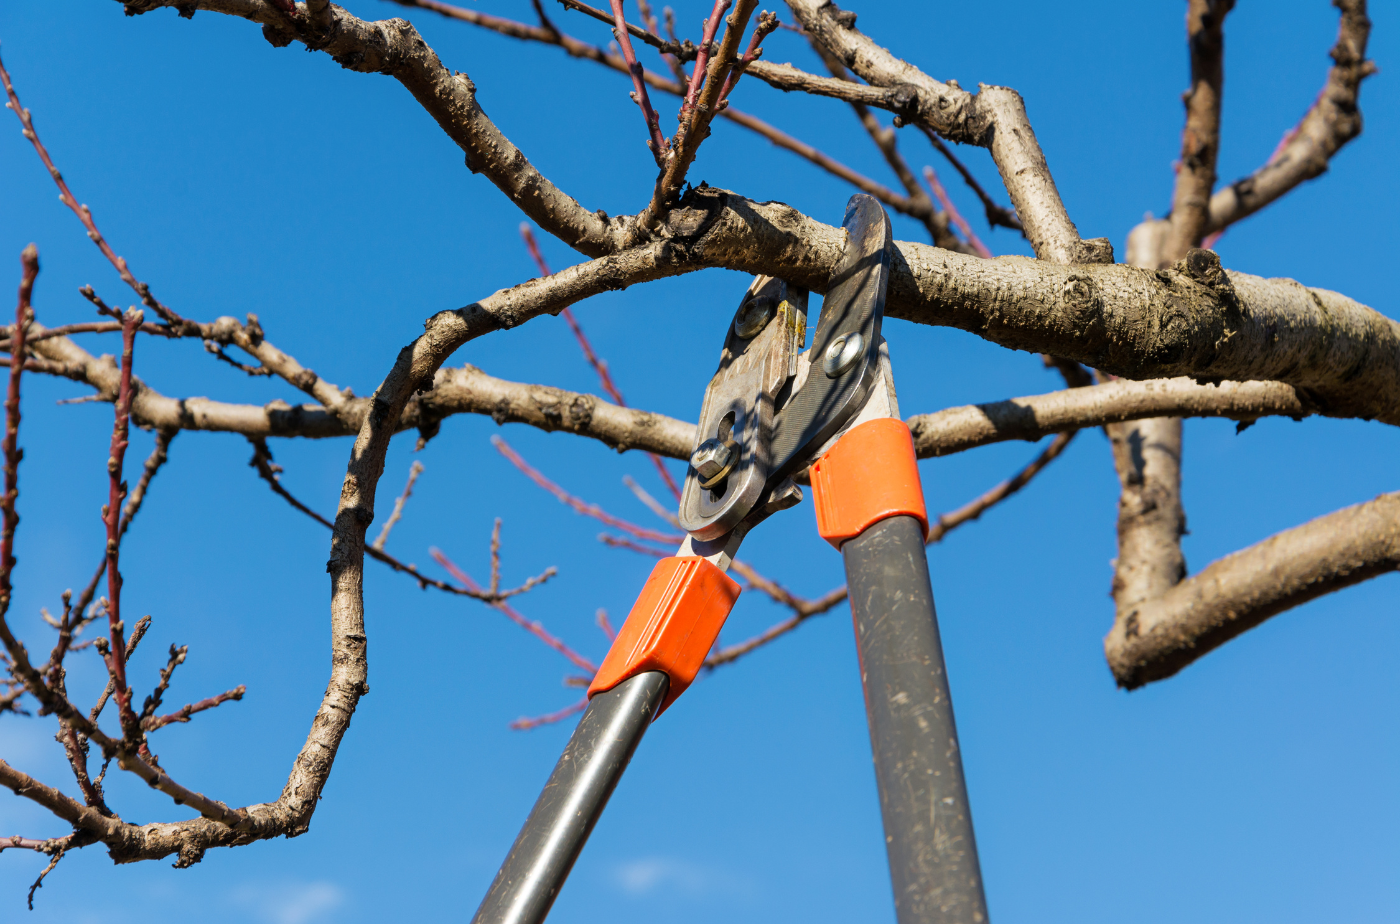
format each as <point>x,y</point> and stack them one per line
<point>1332,121</point>
<point>994,118</point>
<point>1306,149</point>
<point>1161,636</point>
<point>677,87</point>
<point>958,429</point>
<point>395,48</point>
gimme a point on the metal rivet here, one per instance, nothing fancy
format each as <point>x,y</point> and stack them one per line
<point>754,316</point>
<point>842,354</point>
<point>713,460</point>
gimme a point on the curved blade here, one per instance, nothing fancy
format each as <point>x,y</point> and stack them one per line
<point>854,305</point>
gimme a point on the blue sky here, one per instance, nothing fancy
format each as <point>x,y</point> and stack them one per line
<point>1255,786</point>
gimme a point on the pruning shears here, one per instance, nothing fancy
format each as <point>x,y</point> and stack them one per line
<point>771,415</point>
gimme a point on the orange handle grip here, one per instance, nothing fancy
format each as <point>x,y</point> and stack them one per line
<point>870,474</point>
<point>672,626</point>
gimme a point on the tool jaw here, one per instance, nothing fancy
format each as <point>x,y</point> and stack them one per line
<point>771,410</point>
<point>843,365</point>
<point>730,461</point>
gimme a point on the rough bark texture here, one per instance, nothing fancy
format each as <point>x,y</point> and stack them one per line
<point>1306,150</point>
<point>1236,593</point>
<point>961,428</point>
<point>1288,350</point>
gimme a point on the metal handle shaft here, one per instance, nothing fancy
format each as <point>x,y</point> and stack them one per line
<point>589,769</point>
<point>923,798</point>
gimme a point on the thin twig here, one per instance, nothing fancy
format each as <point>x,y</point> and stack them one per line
<point>39,883</point>
<point>600,366</point>
<point>268,471</point>
<point>767,22</point>
<point>656,140</point>
<point>177,657</point>
<point>82,211</point>
<point>111,517</point>
<point>151,723</point>
<point>620,542</point>
<point>137,633</point>
<point>578,505</point>
<point>524,724</point>
<point>29,271</point>
<point>533,626</point>
<point>651,503</point>
<point>997,214</point>
<point>414,471</point>
<point>954,215</point>
<point>702,59</point>
<point>158,457</point>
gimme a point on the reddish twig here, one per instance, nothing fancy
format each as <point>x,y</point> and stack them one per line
<point>698,111</point>
<point>534,627</point>
<point>158,457</point>
<point>997,214</point>
<point>978,506</point>
<point>656,139</point>
<point>618,542</point>
<point>601,617</point>
<point>47,846</point>
<point>82,211</point>
<point>954,215</point>
<point>651,503</point>
<point>702,59</point>
<point>151,723</point>
<point>600,365</point>
<point>111,517</point>
<point>29,271</point>
<point>524,724</point>
<point>581,506</point>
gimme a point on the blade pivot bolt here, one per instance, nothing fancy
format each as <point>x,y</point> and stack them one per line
<point>713,460</point>
<point>842,354</point>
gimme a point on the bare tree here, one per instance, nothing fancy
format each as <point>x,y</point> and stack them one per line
<point>1166,335</point>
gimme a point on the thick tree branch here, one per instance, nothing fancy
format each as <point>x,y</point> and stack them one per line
<point>1147,454</point>
<point>958,429</point>
<point>1161,636</point>
<point>1191,319</point>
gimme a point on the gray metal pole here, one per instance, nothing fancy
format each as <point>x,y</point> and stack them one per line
<point>546,848</point>
<point>923,798</point>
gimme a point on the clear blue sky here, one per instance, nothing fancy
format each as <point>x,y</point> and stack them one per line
<point>1256,786</point>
